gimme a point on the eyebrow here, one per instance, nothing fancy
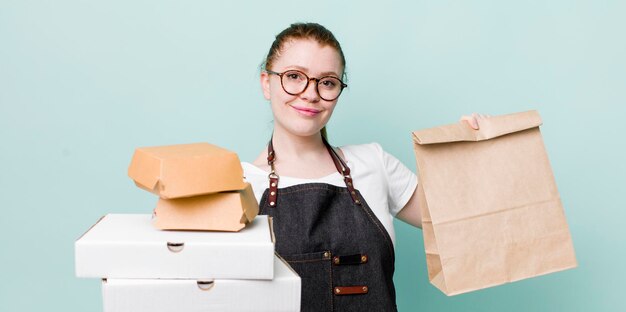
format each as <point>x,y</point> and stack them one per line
<point>304,69</point>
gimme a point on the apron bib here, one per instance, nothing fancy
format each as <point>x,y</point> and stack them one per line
<point>333,240</point>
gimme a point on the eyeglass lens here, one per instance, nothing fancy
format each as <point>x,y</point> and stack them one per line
<point>295,82</point>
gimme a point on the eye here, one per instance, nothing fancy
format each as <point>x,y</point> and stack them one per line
<point>329,83</point>
<point>294,76</point>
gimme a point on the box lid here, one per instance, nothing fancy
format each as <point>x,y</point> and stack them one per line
<point>224,211</point>
<point>156,295</point>
<point>128,246</point>
<point>184,170</point>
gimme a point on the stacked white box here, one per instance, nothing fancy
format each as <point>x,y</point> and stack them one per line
<point>150,295</point>
<point>128,246</point>
<point>146,269</point>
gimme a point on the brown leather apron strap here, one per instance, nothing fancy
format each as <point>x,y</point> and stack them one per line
<point>351,290</point>
<point>341,166</point>
<point>273,177</point>
<point>350,259</point>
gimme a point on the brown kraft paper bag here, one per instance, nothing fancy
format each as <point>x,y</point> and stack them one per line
<point>490,206</point>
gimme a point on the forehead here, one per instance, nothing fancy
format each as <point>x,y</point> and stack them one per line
<point>308,54</point>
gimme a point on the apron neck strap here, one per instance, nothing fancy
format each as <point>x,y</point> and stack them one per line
<point>340,164</point>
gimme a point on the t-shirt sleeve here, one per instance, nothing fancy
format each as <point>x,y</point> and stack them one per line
<point>401,180</point>
<point>257,178</point>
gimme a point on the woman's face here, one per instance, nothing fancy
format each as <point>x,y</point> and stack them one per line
<point>304,114</point>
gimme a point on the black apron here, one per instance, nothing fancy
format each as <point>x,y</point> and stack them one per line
<point>333,240</point>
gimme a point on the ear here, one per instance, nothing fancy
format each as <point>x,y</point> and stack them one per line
<point>265,84</point>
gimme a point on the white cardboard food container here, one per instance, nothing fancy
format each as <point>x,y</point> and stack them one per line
<point>128,246</point>
<point>168,295</point>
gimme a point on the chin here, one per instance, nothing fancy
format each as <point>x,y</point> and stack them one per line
<point>304,131</point>
<point>307,133</point>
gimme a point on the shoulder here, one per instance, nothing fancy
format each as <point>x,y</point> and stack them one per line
<point>256,177</point>
<point>252,171</point>
<point>364,153</point>
<point>372,157</point>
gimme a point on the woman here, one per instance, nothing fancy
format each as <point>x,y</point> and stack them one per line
<point>333,208</point>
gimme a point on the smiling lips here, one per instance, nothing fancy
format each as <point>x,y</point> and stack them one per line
<point>306,111</point>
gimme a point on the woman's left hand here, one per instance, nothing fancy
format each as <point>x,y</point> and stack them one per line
<point>474,120</point>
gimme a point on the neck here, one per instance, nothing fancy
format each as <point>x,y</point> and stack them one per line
<point>294,147</point>
<point>297,156</point>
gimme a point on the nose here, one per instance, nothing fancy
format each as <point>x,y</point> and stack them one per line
<point>310,93</point>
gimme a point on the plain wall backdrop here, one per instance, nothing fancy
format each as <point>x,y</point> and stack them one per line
<point>82,83</point>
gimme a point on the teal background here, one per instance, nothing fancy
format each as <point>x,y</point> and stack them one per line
<point>82,83</point>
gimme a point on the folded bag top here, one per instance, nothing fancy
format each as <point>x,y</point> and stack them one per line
<point>490,128</point>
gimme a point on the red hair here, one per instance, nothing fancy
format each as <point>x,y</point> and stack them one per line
<point>312,31</point>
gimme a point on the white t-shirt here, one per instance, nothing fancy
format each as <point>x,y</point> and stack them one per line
<point>385,183</point>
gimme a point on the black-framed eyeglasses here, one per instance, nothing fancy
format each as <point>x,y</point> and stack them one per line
<point>294,82</point>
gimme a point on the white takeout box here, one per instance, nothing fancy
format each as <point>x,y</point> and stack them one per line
<point>161,295</point>
<point>128,246</point>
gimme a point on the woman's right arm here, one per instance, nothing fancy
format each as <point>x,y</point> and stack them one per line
<point>411,213</point>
